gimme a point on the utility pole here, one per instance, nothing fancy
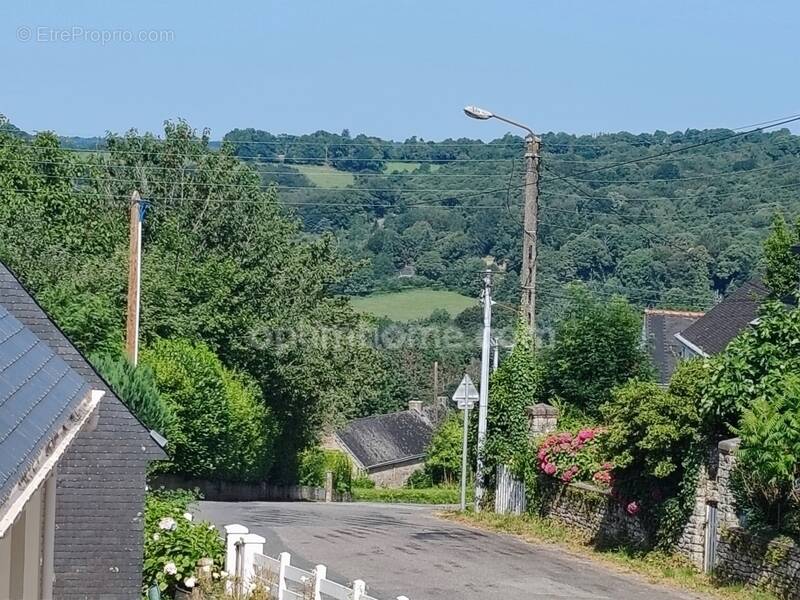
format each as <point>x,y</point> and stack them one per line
<point>495,354</point>
<point>531,231</point>
<point>137,210</point>
<point>483,404</point>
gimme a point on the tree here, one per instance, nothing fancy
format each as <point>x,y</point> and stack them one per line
<point>136,387</point>
<point>221,428</point>
<point>443,454</point>
<point>782,264</point>
<point>597,347</point>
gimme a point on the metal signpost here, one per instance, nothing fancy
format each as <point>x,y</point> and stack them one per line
<point>465,398</point>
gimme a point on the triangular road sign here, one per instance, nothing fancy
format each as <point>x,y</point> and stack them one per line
<point>467,394</point>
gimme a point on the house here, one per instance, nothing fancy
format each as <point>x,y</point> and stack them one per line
<point>658,338</point>
<point>73,462</point>
<point>712,333</point>
<point>388,448</point>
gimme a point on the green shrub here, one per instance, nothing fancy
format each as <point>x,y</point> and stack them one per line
<point>174,542</point>
<point>767,474</point>
<point>136,387</point>
<point>418,479</point>
<point>364,482</point>
<point>221,427</point>
<point>315,463</point>
<point>443,455</point>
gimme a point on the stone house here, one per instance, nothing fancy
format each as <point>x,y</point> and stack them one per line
<point>73,462</point>
<point>711,334</point>
<point>659,328</point>
<point>387,448</point>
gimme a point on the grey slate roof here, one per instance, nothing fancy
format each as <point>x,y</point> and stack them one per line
<point>660,327</point>
<point>101,478</point>
<point>714,331</point>
<point>382,440</point>
<point>38,393</point>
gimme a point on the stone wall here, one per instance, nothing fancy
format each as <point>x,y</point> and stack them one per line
<point>232,491</point>
<point>772,564</point>
<point>395,476</point>
<point>593,511</point>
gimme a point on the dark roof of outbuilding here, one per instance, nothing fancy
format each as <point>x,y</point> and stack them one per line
<point>38,394</point>
<point>726,320</point>
<point>660,327</point>
<point>21,304</point>
<point>387,439</point>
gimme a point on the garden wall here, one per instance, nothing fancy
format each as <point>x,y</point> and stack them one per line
<point>591,510</point>
<point>229,491</point>
<point>773,564</point>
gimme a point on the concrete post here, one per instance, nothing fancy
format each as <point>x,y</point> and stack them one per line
<point>329,486</point>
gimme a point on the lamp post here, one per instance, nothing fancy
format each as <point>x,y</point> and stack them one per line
<point>530,223</point>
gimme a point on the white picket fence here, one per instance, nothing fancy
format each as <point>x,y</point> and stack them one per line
<point>509,496</point>
<point>250,567</point>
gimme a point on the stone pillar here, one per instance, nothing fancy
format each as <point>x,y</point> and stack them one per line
<point>726,506</point>
<point>415,406</point>
<point>542,418</point>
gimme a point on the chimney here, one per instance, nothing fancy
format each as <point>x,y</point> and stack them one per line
<point>415,406</point>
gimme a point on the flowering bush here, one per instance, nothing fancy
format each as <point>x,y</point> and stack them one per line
<point>575,457</point>
<point>174,542</point>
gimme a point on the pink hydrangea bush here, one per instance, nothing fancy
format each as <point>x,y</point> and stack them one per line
<point>575,457</point>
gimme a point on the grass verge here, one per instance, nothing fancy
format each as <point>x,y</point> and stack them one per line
<point>656,567</point>
<point>434,495</point>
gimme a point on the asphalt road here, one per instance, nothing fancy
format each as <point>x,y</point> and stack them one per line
<point>406,550</point>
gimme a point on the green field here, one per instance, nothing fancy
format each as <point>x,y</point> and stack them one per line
<point>409,305</point>
<point>405,167</point>
<point>326,177</point>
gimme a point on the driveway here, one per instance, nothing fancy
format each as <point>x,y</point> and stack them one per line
<point>406,550</point>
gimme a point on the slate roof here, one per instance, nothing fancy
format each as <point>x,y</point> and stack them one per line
<point>101,478</point>
<point>383,440</point>
<point>714,331</point>
<point>660,327</point>
<point>38,394</point>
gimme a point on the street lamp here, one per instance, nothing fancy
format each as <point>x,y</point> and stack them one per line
<point>528,274</point>
<point>482,114</point>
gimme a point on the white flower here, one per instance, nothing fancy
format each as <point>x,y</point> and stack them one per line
<point>223,573</point>
<point>215,575</point>
<point>212,527</point>
<point>167,523</point>
<point>156,536</point>
<point>170,568</point>
<point>188,516</point>
<point>189,582</point>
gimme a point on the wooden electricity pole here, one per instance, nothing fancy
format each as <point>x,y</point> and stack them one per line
<point>531,229</point>
<point>134,278</point>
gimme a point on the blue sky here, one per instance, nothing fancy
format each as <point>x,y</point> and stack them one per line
<point>400,68</point>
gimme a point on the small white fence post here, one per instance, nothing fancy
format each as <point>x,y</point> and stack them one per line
<point>320,573</point>
<point>359,589</point>
<point>234,559</point>
<point>252,544</point>
<point>285,560</point>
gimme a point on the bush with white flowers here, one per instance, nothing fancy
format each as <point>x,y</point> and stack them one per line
<point>174,543</point>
